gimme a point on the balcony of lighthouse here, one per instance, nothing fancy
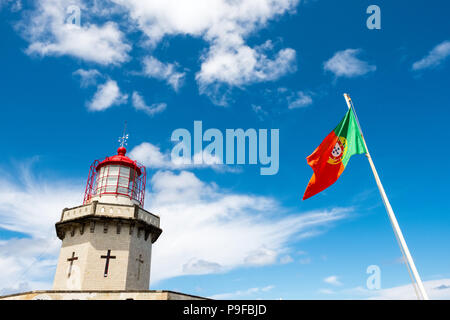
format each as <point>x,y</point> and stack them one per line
<point>85,217</point>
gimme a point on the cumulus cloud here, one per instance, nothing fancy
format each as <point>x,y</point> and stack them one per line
<point>224,25</point>
<point>107,95</point>
<point>50,34</point>
<point>154,68</point>
<point>14,5</point>
<point>333,280</point>
<point>152,157</point>
<point>434,58</point>
<point>237,66</point>
<point>139,104</point>
<point>214,20</point>
<point>87,77</point>
<point>30,207</point>
<point>346,64</point>
<point>199,217</point>
<point>227,67</point>
<point>261,256</point>
<point>227,62</point>
<point>28,264</point>
<point>286,259</point>
<point>199,266</point>
<point>260,112</point>
<point>299,99</point>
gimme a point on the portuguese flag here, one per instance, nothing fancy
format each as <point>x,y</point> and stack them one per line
<point>330,158</point>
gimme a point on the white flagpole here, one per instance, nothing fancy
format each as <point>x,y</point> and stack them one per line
<point>398,233</point>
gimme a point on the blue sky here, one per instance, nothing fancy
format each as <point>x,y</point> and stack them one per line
<point>66,91</point>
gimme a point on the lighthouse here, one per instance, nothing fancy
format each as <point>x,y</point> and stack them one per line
<point>107,241</point>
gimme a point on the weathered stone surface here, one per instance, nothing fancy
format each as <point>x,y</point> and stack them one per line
<point>130,249</point>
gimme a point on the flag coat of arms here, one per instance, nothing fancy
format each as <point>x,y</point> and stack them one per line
<point>331,157</point>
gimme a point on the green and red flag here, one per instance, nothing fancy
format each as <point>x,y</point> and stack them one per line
<point>330,158</point>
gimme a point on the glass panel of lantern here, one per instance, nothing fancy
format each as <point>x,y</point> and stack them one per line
<point>112,173</point>
<point>132,184</point>
<point>100,181</point>
<point>124,178</point>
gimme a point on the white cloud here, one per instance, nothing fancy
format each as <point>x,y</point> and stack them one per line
<point>346,64</point>
<point>237,66</point>
<point>224,25</point>
<point>227,61</point>
<point>87,77</point>
<point>139,104</point>
<point>333,280</point>
<point>28,264</point>
<point>260,112</point>
<point>299,99</point>
<point>226,67</point>
<point>14,5</point>
<point>31,207</point>
<point>436,290</point>
<point>49,35</point>
<point>242,293</point>
<point>197,218</point>
<point>434,58</point>
<point>199,266</point>
<point>292,99</point>
<point>154,68</point>
<point>152,157</point>
<point>214,20</point>
<point>286,259</point>
<point>107,95</point>
<point>261,256</point>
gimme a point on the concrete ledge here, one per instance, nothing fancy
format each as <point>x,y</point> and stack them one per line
<point>81,223</point>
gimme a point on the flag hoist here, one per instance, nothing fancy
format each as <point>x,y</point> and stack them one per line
<point>328,162</point>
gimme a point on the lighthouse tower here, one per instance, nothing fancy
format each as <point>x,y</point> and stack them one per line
<point>107,241</point>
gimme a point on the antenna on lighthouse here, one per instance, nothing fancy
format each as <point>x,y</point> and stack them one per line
<point>123,139</point>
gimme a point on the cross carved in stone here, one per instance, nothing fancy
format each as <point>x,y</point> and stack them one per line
<point>72,259</point>
<point>141,261</point>
<point>107,257</point>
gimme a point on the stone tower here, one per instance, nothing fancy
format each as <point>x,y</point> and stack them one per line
<point>107,241</point>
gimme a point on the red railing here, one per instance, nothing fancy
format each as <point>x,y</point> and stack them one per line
<point>125,182</point>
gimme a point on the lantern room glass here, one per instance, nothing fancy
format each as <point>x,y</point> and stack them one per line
<point>116,179</point>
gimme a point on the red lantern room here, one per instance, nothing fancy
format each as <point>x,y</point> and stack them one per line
<point>116,179</point>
